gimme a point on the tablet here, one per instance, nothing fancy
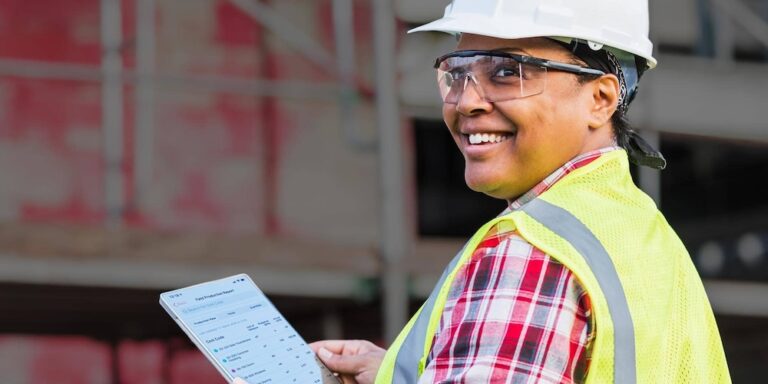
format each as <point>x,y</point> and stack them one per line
<point>243,335</point>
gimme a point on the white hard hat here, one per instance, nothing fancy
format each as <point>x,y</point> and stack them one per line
<point>619,24</point>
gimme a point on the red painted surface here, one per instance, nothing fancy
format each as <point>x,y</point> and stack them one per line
<point>128,26</point>
<point>196,200</point>
<point>142,362</point>
<point>241,117</point>
<point>48,109</point>
<point>61,119</point>
<point>55,116</point>
<point>198,132</point>
<point>233,27</point>
<point>270,137</point>
<point>80,360</point>
<point>74,210</point>
<point>65,360</point>
<point>191,367</point>
<point>50,133</point>
<point>62,31</point>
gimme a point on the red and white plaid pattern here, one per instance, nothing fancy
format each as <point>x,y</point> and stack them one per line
<point>513,314</point>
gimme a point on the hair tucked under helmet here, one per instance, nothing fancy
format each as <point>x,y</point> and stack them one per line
<point>628,69</point>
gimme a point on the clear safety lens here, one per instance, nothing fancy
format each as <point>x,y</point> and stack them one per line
<point>493,78</point>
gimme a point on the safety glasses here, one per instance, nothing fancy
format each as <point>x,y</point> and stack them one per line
<point>498,75</point>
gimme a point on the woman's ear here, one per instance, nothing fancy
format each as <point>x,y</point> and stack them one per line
<point>605,98</point>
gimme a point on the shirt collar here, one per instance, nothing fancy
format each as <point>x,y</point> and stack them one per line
<point>572,165</point>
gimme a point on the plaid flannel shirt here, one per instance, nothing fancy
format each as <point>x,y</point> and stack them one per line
<point>514,314</point>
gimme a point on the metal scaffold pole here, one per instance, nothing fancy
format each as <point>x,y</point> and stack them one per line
<point>112,110</point>
<point>144,148</point>
<point>395,237</point>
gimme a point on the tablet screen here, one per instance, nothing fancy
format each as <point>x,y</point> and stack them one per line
<point>240,330</point>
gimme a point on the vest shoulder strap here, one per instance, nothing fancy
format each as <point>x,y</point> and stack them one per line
<point>570,228</point>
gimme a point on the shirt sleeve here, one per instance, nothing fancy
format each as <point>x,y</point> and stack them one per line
<point>513,315</point>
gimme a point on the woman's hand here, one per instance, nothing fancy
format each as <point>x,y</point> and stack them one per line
<point>356,361</point>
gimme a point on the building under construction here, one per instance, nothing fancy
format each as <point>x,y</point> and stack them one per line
<point>147,145</point>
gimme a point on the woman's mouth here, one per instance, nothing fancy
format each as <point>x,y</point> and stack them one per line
<point>481,146</point>
<point>487,138</point>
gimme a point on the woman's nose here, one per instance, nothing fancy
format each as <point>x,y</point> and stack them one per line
<point>472,100</point>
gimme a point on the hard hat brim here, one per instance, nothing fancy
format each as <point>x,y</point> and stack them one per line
<point>468,23</point>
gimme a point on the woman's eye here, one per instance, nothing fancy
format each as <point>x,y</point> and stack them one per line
<point>506,72</point>
<point>454,75</point>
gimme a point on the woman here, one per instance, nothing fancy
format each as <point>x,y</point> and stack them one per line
<point>580,279</point>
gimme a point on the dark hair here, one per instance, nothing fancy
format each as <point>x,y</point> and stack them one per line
<point>640,152</point>
<point>621,128</point>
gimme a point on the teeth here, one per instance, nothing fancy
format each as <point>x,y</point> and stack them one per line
<point>479,138</point>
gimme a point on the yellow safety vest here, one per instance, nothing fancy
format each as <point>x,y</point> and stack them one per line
<point>653,322</point>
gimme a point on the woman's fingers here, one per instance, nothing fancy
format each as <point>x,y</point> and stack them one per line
<point>335,346</point>
<point>345,364</point>
<point>357,361</point>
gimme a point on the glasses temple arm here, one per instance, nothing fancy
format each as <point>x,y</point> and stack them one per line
<point>571,68</point>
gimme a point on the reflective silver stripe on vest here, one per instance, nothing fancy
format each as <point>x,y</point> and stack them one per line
<point>407,361</point>
<point>567,226</point>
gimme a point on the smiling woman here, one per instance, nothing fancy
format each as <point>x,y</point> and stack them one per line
<point>571,281</point>
<point>544,129</point>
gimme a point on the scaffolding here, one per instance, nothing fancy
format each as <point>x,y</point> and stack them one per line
<point>87,268</point>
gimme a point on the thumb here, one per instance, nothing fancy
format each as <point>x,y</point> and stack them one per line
<point>340,363</point>
<point>239,381</point>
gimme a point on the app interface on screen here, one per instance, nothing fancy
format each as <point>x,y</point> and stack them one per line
<point>245,333</point>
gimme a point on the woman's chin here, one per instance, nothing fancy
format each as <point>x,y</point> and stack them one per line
<point>491,185</point>
<point>484,185</point>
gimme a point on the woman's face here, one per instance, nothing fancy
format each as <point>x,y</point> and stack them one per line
<point>540,133</point>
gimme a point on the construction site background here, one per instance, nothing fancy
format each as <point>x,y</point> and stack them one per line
<point>147,145</point>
